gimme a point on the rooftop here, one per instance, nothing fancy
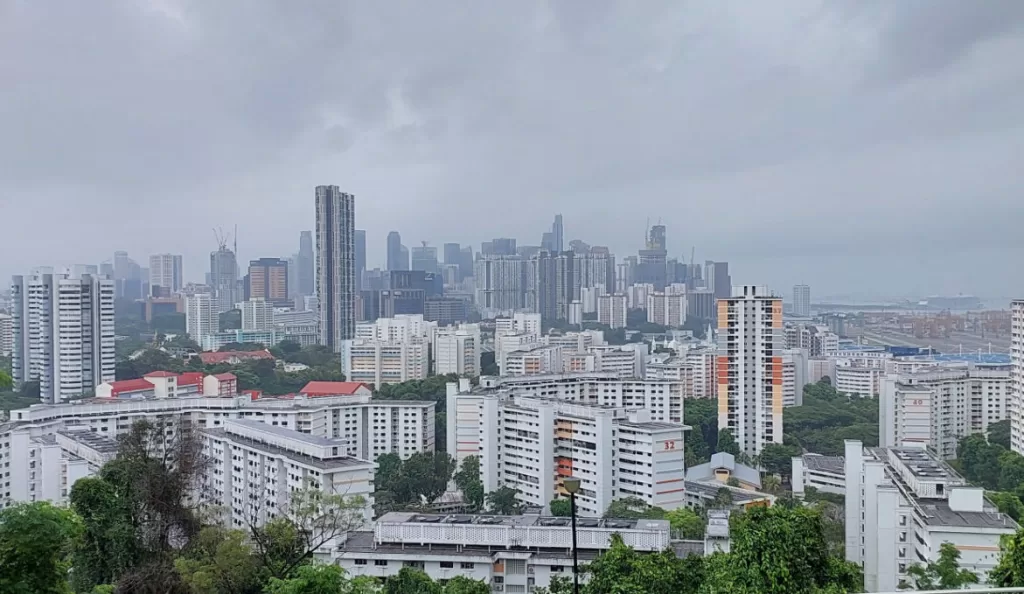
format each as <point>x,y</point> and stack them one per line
<point>286,433</point>
<point>521,521</point>
<point>332,388</point>
<point>91,439</point>
<point>328,464</point>
<point>225,356</point>
<point>833,464</point>
<point>924,466</point>
<point>940,514</point>
<point>655,426</point>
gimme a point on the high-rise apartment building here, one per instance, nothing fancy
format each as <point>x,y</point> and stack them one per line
<point>335,265</point>
<point>165,275</point>
<point>666,309</point>
<point>201,316</point>
<point>380,362</point>
<point>1017,375</point>
<point>611,310</point>
<point>801,301</point>
<point>268,280</point>
<point>394,252</point>
<point>750,370</point>
<point>224,278</point>
<point>457,349</point>
<point>500,284</point>
<point>62,334</point>
<point>257,314</point>
<point>552,284</point>
<point>6,335</point>
<point>360,258</point>
<point>557,235</point>
<point>716,278</point>
<point>306,262</point>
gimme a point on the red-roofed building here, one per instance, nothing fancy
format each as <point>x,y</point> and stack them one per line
<point>233,357</point>
<point>317,389</point>
<point>136,388</point>
<point>190,383</point>
<point>222,384</point>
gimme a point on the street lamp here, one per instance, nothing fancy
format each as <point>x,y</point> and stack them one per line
<point>572,486</point>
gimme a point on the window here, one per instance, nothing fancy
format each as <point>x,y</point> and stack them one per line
<point>447,565</point>
<point>467,565</point>
<point>360,561</point>
<point>380,562</point>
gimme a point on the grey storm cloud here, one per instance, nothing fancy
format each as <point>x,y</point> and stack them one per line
<point>856,145</point>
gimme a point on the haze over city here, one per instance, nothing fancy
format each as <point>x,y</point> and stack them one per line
<point>860,147</point>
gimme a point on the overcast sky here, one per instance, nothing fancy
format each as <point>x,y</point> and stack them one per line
<point>870,146</point>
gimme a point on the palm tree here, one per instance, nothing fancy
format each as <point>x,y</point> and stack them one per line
<point>771,484</point>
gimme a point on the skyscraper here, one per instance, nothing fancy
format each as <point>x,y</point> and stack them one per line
<point>453,256</point>
<point>360,258</point>
<point>403,259</point>
<point>716,278</point>
<point>802,301</point>
<point>306,260</point>
<point>750,379</point>
<point>394,251</point>
<point>652,265</point>
<point>557,236</point>
<point>268,280</point>
<point>165,274</point>
<point>424,258</point>
<point>553,282</point>
<point>63,334</point>
<point>1017,376</point>
<point>335,265</point>
<point>224,278</point>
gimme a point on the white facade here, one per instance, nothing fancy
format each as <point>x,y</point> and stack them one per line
<point>865,382</point>
<point>536,360</point>
<point>370,428</point>
<point>165,272</point>
<point>507,343</point>
<point>827,474</point>
<point>401,328</point>
<point>378,363</point>
<point>1017,360</point>
<point>625,361</point>
<point>6,335</point>
<point>256,467</point>
<point>201,317</point>
<point>750,388</point>
<point>794,376</point>
<point>616,452</point>
<point>257,314</point>
<point>939,406</point>
<point>509,553</point>
<point>902,504</point>
<point>637,295</point>
<point>62,334</point>
<point>611,310</point>
<point>666,309</point>
<point>457,349</point>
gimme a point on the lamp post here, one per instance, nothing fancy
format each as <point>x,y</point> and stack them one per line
<point>572,486</point>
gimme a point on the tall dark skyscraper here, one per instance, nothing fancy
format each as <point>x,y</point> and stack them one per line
<point>305,262</point>
<point>557,236</point>
<point>394,251</point>
<point>424,258</point>
<point>360,258</point>
<point>716,278</point>
<point>335,265</point>
<point>268,280</point>
<point>452,253</point>
<point>553,283</point>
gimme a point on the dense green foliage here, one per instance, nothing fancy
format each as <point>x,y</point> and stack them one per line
<point>503,501</point>
<point>943,574</point>
<point>827,418</point>
<point>997,469</point>
<point>778,550</point>
<point>999,433</point>
<point>560,508</point>
<point>633,508</point>
<point>702,415</point>
<point>401,484</point>
<point>467,479</point>
<point>35,539</point>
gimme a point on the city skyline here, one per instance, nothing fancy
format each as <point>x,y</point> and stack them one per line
<point>819,141</point>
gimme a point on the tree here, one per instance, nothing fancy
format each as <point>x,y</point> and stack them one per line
<point>702,415</point>
<point>779,550</point>
<point>504,501</point>
<point>777,458</point>
<point>220,561</point>
<point>230,320</point>
<point>771,484</point>
<point>633,508</point>
<point>624,571</point>
<point>1009,572</point>
<point>464,585</point>
<point>411,581</point>
<point>999,433</point>
<point>35,542</point>
<point>686,523</point>
<point>1011,471</point>
<point>727,443</point>
<point>561,507</point>
<point>310,579</point>
<point>1007,503</point>
<point>467,479</point>
<point>312,519</point>
<point>944,574</point>
<point>487,364</point>
<point>5,381</point>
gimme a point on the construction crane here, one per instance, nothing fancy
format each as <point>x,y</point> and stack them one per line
<point>223,238</point>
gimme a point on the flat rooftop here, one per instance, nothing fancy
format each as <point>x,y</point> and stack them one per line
<point>833,464</point>
<point>91,439</point>
<point>315,440</point>
<point>924,466</point>
<point>940,514</point>
<point>363,542</point>
<point>322,464</point>
<point>521,521</point>
<point>655,426</point>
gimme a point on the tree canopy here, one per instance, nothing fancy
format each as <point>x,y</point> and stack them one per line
<point>828,418</point>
